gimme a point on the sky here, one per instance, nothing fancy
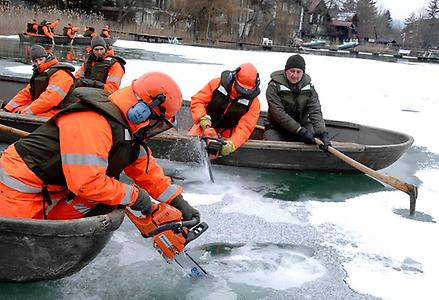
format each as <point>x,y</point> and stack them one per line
<point>401,9</point>
<point>382,253</point>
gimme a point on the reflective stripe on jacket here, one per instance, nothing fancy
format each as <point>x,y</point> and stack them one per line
<point>86,156</point>
<point>109,71</point>
<point>49,90</point>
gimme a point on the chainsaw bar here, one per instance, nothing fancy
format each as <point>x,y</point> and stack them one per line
<point>189,265</point>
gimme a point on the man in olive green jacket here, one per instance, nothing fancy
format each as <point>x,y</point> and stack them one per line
<point>294,111</point>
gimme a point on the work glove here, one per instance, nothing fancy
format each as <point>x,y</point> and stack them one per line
<point>85,82</point>
<point>324,137</point>
<point>306,135</point>
<point>186,209</point>
<point>228,148</point>
<point>205,122</point>
<point>143,202</point>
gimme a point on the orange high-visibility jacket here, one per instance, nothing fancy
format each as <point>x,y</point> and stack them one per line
<point>114,76</point>
<point>58,87</point>
<point>53,24</point>
<point>47,31</point>
<point>238,135</point>
<point>105,33</point>
<point>85,142</point>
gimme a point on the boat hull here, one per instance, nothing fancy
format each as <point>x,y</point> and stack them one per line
<point>374,147</point>
<point>60,39</point>
<point>33,250</point>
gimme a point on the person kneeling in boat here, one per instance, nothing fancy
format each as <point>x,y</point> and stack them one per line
<point>73,160</point>
<point>50,87</point>
<point>45,29</point>
<point>228,106</point>
<point>105,32</point>
<point>32,27</point>
<point>70,31</point>
<point>294,110</point>
<point>102,69</point>
<point>89,31</point>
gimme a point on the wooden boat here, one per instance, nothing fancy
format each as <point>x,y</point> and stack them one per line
<point>33,250</point>
<point>60,39</point>
<point>374,147</point>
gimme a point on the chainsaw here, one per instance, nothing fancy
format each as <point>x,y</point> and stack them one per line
<point>170,235</point>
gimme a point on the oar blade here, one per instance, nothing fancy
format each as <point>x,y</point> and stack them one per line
<point>413,193</point>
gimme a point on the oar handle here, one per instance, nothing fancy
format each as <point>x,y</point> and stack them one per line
<point>13,130</point>
<point>407,188</point>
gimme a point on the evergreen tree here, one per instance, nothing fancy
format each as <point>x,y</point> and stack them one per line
<point>411,19</point>
<point>433,9</point>
<point>388,19</point>
<point>367,18</point>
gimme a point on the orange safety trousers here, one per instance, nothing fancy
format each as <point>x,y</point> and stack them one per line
<point>23,205</point>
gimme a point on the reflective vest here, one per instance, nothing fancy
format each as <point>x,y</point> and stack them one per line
<point>99,71</point>
<point>221,99</point>
<point>40,29</point>
<point>30,28</point>
<point>40,80</point>
<point>66,29</point>
<point>41,150</point>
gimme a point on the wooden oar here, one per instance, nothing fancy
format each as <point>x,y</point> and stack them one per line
<point>17,132</point>
<point>407,188</point>
<point>51,32</point>
<point>73,38</point>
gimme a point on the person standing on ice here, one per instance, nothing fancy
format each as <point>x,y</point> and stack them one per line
<point>294,110</point>
<point>69,165</point>
<point>228,106</point>
<point>102,69</point>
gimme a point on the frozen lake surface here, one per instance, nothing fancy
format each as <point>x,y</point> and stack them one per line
<point>287,235</point>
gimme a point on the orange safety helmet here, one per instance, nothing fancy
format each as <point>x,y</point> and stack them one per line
<point>247,75</point>
<point>153,84</point>
<point>247,80</point>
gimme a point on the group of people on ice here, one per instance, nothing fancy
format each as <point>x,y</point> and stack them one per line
<point>48,29</point>
<point>71,164</point>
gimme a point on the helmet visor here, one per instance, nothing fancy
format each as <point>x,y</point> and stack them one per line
<point>160,125</point>
<point>246,92</point>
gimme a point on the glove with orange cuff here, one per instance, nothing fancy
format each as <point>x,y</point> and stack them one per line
<point>143,202</point>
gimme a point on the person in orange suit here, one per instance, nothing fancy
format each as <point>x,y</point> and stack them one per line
<point>50,87</point>
<point>102,69</point>
<point>53,24</point>
<point>86,147</point>
<point>70,30</point>
<point>45,29</point>
<point>228,106</point>
<point>105,33</point>
<point>32,27</point>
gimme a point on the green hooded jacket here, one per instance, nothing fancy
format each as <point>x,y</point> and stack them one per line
<point>292,106</point>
